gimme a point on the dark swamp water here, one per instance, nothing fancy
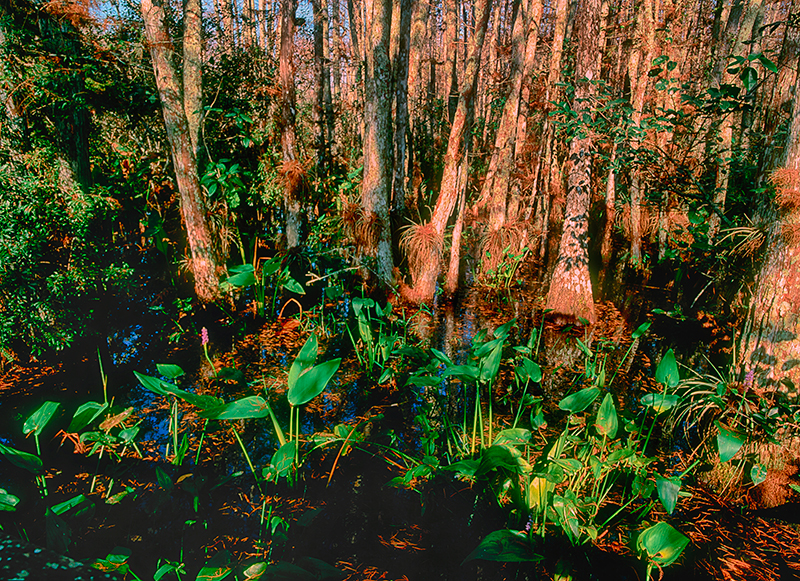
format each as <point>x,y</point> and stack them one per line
<point>338,517</point>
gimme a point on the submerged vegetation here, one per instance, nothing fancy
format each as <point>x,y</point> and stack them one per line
<point>395,290</point>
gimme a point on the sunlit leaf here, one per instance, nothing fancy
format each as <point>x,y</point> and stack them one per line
<point>579,401</point>
<point>728,442</point>
<point>164,388</point>
<point>513,437</point>
<point>312,383</point>
<point>63,507</point>
<point>24,460</point>
<point>463,372</point>
<point>668,489</point>
<point>38,419</point>
<point>244,277</point>
<point>304,361</point>
<point>659,402</point>
<point>667,370</point>
<point>662,543</point>
<point>85,415</point>
<point>533,369</point>
<point>250,407</point>
<point>505,546</point>
<point>169,370</point>
<point>607,422</point>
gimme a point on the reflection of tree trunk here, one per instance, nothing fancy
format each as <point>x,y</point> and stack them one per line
<point>570,294</point>
<point>291,170</point>
<point>427,271</point>
<point>206,265</point>
<point>377,181</point>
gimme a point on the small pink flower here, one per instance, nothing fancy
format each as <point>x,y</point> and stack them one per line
<point>204,336</point>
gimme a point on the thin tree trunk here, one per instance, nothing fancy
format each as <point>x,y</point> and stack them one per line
<point>206,265</point>
<point>377,181</point>
<point>320,69</point>
<point>401,128</point>
<point>229,37</point>
<point>450,85</point>
<point>291,169</point>
<point>570,294</point>
<point>193,70</point>
<point>425,272</point>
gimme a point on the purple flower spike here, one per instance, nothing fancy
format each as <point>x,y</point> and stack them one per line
<point>748,378</point>
<point>204,336</point>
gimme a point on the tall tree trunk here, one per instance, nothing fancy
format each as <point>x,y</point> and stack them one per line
<point>401,128</point>
<point>320,78</point>
<point>739,30</point>
<point>193,70</point>
<point>771,340</point>
<point>450,85</point>
<point>229,35</point>
<point>377,181</point>
<point>570,294</point>
<point>206,265</point>
<point>291,169</point>
<point>425,268</point>
<point>638,65</point>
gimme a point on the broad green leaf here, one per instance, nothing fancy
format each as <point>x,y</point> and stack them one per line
<point>728,442</point>
<point>758,474</point>
<point>768,64</point>
<point>85,415</point>
<point>607,422</point>
<point>164,388</point>
<point>8,502</point>
<point>641,330</point>
<point>24,460</point>
<point>463,372</point>
<point>513,437</point>
<point>533,369</point>
<point>441,357</point>
<point>304,361</point>
<point>169,370</point>
<point>216,568</point>
<point>164,481</point>
<point>250,407</point>
<point>662,543</point>
<point>659,402</point>
<point>502,456</point>
<point>667,371</point>
<point>579,401</point>
<point>312,383</point>
<point>283,459</point>
<point>38,419</point>
<point>292,285</point>
<point>59,535</point>
<point>668,489</point>
<point>505,546</point>
<point>538,491</point>
<point>424,380</point>
<point>244,277</point>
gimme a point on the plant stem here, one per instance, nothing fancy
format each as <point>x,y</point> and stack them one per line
<point>247,457</point>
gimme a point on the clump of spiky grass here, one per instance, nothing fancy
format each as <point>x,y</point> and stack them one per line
<point>496,244</point>
<point>422,245</point>
<point>368,230</point>
<point>293,176</point>
<point>787,188</point>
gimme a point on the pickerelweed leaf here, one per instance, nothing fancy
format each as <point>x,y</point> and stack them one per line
<point>293,286</point>
<point>304,361</point>
<point>668,489</point>
<point>283,459</point>
<point>8,502</point>
<point>641,330</point>
<point>244,277</point>
<point>505,546</point>
<point>312,383</point>
<point>39,419</point>
<point>246,408</point>
<point>24,460</point>
<point>659,402</point>
<point>662,544</point>
<point>728,442</point>
<point>579,401</point>
<point>169,370</point>
<point>667,370</point>
<point>85,415</point>
<point>164,388</point>
<point>607,422</point>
